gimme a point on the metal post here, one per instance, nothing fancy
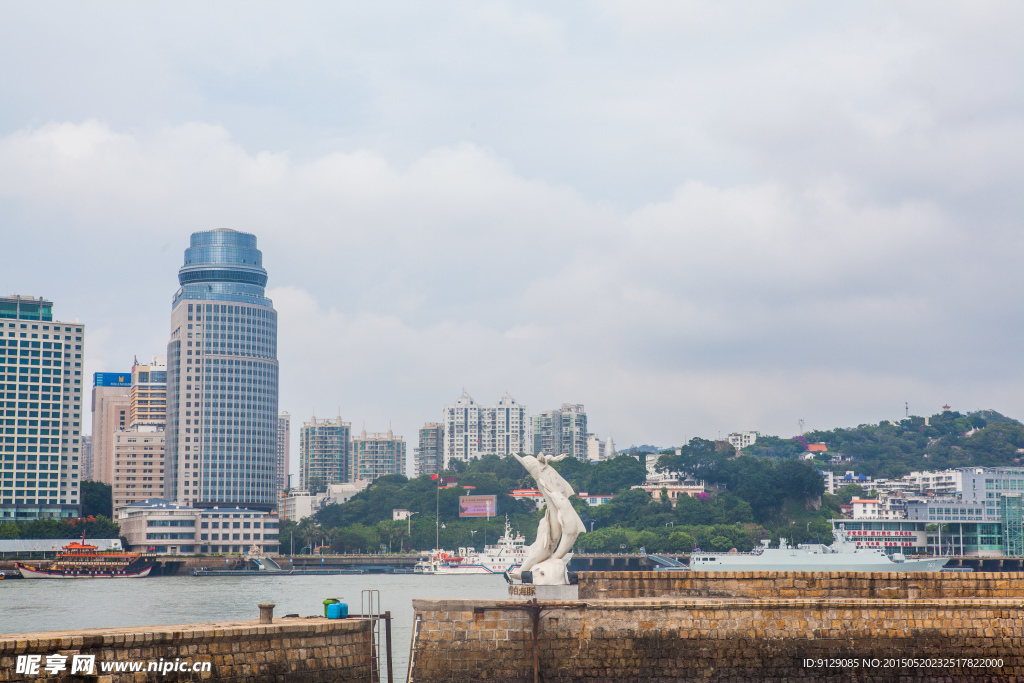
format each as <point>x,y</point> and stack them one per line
<point>535,613</point>
<point>387,639</point>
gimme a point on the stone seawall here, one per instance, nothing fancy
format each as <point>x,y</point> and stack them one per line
<point>290,649</point>
<point>685,584</point>
<point>718,640</point>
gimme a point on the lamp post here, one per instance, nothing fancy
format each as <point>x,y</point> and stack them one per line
<point>472,535</point>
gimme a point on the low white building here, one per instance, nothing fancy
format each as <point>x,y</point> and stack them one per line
<point>741,440</point>
<point>297,505</point>
<point>171,529</point>
<point>342,493</point>
<point>873,508</point>
<point>674,489</point>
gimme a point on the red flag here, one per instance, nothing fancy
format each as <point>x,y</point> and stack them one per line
<point>434,476</point>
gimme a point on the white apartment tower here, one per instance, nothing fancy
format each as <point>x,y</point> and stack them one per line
<point>472,430</point>
<point>284,440</point>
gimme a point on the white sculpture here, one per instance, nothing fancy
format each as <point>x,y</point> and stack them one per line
<point>559,528</point>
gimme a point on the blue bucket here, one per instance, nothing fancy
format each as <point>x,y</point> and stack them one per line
<point>337,610</point>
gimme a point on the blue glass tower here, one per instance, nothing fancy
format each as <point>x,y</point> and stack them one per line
<point>222,383</point>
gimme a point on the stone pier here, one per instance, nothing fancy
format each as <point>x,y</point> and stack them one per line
<point>295,650</point>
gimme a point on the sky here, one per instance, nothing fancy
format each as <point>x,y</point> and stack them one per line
<point>691,217</point>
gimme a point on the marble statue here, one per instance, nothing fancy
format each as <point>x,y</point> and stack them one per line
<point>559,528</point>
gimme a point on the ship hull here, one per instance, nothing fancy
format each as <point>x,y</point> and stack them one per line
<point>724,563</point>
<point>28,572</point>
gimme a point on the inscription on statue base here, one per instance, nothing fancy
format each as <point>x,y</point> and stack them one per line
<point>528,592</point>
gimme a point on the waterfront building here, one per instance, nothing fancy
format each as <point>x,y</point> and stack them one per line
<point>284,448</point>
<point>741,440</point>
<point>561,431</point>
<point>377,454</point>
<point>175,529</point>
<point>111,411</point>
<point>149,393</point>
<point>429,455</point>
<point>222,377</point>
<point>41,387</point>
<point>296,505</point>
<point>325,452</point>
<point>472,430</point>
<point>139,457</point>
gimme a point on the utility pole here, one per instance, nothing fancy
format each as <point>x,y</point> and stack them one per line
<point>906,408</point>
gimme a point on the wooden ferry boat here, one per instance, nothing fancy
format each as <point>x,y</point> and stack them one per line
<point>81,561</point>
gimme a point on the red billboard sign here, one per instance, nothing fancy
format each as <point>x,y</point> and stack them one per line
<point>478,506</point>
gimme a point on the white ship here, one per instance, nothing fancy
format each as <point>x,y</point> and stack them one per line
<point>506,554</point>
<point>842,556</point>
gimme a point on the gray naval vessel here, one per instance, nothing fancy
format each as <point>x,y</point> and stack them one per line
<point>842,556</point>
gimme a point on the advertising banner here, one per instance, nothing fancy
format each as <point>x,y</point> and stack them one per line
<point>478,506</point>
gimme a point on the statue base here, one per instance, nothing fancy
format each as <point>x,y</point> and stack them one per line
<point>527,591</point>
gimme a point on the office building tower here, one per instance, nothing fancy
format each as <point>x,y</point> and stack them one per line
<point>149,393</point>
<point>325,453</point>
<point>561,431</point>
<point>111,410</point>
<point>139,455</point>
<point>222,377</point>
<point>377,454</point>
<point>429,455</point>
<point>284,447</point>
<point>472,430</point>
<point>41,383</point>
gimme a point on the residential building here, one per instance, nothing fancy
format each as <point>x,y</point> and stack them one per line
<point>377,454</point>
<point>139,457</point>
<point>674,490</point>
<point>149,393</point>
<point>111,412</point>
<point>741,440</point>
<point>830,481</point>
<point>41,384</point>
<point>532,495</point>
<point>325,452</point>
<point>561,431</point>
<point>222,377</point>
<point>173,529</point>
<point>430,454</point>
<point>284,448</point>
<point>296,505</point>
<point>873,508</point>
<point>472,430</point>
<point>87,457</point>
<point>342,493</point>
<point>595,499</point>
<point>598,450</point>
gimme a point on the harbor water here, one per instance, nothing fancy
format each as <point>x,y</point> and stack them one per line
<point>52,605</point>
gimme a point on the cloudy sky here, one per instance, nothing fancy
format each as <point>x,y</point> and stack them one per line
<point>691,217</point>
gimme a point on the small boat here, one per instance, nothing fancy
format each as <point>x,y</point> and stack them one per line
<point>503,556</point>
<point>79,560</point>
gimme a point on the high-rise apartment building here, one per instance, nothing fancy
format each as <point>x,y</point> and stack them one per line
<point>472,430</point>
<point>377,454</point>
<point>87,457</point>
<point>41,381</point>
<point>325,452</point>
<point>149,393</point>
<point>284,448</point>
<point>111,411</point>
<point>222,377</point>
<point>561,431</point>
<point>139,455</point>
<point>429,456</point>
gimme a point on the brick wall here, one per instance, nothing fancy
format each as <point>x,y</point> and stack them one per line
<point>293,650</point>
<point>720,640</point>
<point>800,584</point>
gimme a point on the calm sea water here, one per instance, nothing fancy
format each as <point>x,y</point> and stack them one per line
<point>50,605</point>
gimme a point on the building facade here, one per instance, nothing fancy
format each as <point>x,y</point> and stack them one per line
<point>111,412</point>
<point>222,377</point>
<point>472,430</point>
<point>561,431</point>
<point>284,449</point>
<point>378,454</point>
<point>429,456</point>
<point>325,452</point>
<point>87,457</point>
<point>139,455</point>
<point>172,529</point>
<point>41,371</point>
<point>741,440</point>
<point>149,393</point>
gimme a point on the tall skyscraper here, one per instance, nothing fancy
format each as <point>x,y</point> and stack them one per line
<point>41,375</point>
<point>222,377</point>
<point>561,431</point>
<point>429,458</point>
<point>377,454</point>
<point>325,452</point>
<point>111,410</point>
<point>140,449</point>
<point>284,448</point>
<point>471,430</point>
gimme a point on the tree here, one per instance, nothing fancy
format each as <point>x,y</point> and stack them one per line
<point>316,485</point>
<point>97,499</point>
